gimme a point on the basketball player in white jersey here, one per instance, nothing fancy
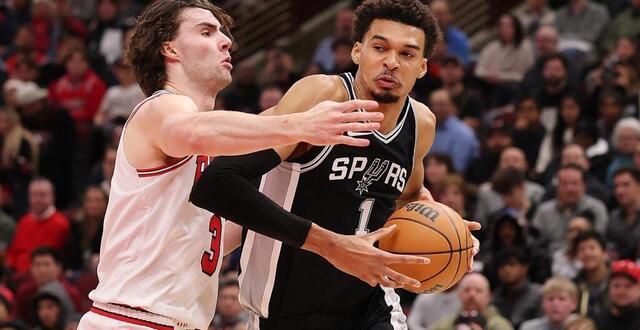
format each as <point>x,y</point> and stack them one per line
<point>160,254</point>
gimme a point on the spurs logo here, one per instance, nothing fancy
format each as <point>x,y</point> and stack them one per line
<point>373,173</point>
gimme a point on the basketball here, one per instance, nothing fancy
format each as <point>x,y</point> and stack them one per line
<point>435,231</point>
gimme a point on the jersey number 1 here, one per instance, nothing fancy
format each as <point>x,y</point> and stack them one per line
<point>209,261</point>
<point>365,213</point>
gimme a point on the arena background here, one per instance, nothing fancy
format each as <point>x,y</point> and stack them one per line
<point>538,138</point>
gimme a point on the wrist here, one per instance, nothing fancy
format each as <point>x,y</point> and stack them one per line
<point>292,128</point>
<point>320,241</point>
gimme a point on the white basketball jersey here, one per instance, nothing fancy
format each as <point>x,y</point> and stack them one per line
<point>159,252</point>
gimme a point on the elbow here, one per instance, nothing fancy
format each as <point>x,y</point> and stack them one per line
<point>205,197</point>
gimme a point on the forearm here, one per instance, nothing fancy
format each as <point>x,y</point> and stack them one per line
<point>229,133</point>
<point>320,241</point>
<point>225,188</point>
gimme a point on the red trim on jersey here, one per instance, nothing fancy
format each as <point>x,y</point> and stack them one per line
<point>163,169</point>
<point>130,320</point>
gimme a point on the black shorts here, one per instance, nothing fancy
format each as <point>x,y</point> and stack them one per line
<point>376,314</point>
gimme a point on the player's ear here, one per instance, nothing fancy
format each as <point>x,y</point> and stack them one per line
<point>423,68</point>
<point>355,52</point>
<point>168,51</point>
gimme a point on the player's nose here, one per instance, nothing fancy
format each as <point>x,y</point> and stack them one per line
<point>391,61</point>
<point>225,43</point>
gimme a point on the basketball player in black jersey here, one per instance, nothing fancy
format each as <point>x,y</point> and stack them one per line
<point>340,189</point>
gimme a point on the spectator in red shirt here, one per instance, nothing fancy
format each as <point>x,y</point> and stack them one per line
<point>79,91</point>
<point>51,19</point>
<point>46,276</point>
<point>42,226</point>
<point>24,49</point>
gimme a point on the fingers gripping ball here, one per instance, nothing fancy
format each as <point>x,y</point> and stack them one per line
<point>433,230</point>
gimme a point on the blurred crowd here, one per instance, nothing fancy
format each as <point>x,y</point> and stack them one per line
<point>537,138</point>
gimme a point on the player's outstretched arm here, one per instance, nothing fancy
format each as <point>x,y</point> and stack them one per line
<point>187,132</point>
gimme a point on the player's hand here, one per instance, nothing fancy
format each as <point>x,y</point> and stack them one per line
<point>473,226</point>
<point>425,195</point>
<point>356,256</point>
<point>326,123</point>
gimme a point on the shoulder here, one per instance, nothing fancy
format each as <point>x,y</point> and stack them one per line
<point>532,324</point>
<point>599,8</point>
<point>461,130</point>
<point>594,202</point>
<point>615,214</point>
<point>309,91</point>
<point>492,46</point>
<point>534,188</point>
<point>425,119</point>
<point>457,34</point>
<point>60,218</point>
<point>165,104</point>
<point>527,47</point>
<point>547,206</point>
<point>443,323</point>
<point>321,86</point>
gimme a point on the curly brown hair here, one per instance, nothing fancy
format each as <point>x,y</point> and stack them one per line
<point>159,23</point>
<point>409,12</point>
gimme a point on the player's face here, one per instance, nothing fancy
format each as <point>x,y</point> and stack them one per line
<point>203,49</point>
<point>390,59</point>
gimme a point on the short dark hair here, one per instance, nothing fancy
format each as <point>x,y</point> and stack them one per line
<point>449,59</point>
<point>527,97</point>
<point>441,158</point>
<point>616,95</point>
<point>504,256</point>
<point>556,56</point>
<point>43,251</point>
<point>506,179</point>
<point>159,23</point>
<point>572,166</point>
<point>588,235</point>
<point>410,12</point>
<point>634,172</point>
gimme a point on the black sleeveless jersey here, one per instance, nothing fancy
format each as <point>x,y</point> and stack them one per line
<point>348,190</point>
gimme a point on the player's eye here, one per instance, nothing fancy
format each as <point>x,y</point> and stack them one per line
<point>408,54</point>
<point>206,33</point>
<point>378,48</point>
